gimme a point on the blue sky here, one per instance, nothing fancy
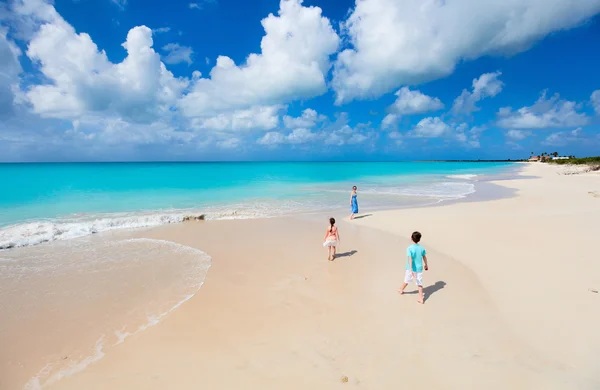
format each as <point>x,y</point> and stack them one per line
<point>122,80</point>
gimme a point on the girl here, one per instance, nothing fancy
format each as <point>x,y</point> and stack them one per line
<point>332,239</point>
<point>353,203</point>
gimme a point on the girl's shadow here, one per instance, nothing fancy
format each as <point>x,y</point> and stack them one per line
<point>345,254</point>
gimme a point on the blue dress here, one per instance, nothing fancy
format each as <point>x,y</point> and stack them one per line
<point>354,204</point>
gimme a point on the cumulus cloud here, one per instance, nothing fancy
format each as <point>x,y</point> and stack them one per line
<point>487,85</point>
<point>293,64</point>
<point>340,133</point>
<point>177,53</point>
<point>10,68</point>
<point>390,120</point>
<point>517,135</point>
<point>161,30</point>
<point>545,113</point>
<point>230,143</point>
<point>396,137</point>
<point>435,127</point>
<point>431,128</point>
<point>409,103</point>
<point>414,102</point>
<point>308,119</point>
<point>296,137</point>
<point>254,118</point>
<point>80,79</point>
<point>396,43</point>
<point>595,100</point>
<point>563,137</point>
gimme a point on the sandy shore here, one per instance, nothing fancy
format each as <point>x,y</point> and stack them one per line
<point>508,301</point>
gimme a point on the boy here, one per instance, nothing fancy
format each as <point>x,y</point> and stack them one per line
<point>416,257</point>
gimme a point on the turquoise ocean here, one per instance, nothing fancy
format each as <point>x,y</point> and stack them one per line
<point>48,202</point>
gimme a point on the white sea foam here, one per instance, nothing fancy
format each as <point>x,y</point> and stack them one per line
<point>38,232</point>
<point>35,382</point>
<point>33,233</point>
<point>462,177</point>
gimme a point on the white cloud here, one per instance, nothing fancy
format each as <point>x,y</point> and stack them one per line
<point>120,3</point>
<point>397,137</point>
<point>563,137</point>
<point>308,119</point>
<point>414,102</point>
<point>296,137</point>
<point>517,134</point>
<point>161,30</point>
<point>177,53</point>
<point>254,118</point>
<point>301,136</point>
<point>339,133</point>
<point>10,69</point>
<point>545,113</point>
<point>487,85</point>
<point>200,4</point>
<point>431,128</point>
<point>595,100</point>
<point>272,138</point>
<point>293,63</point>
<point>434,127</point>
<point>230,143</point>
<point>409,103</point>
<point>396,43</point>
<point>80,79</point>
<point>389,120</point>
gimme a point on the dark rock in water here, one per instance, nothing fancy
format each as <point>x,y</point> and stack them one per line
<point>193,218</point>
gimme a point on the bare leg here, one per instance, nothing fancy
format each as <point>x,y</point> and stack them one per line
<point>334,250</point>
<point>421,295</point>
<point>352,216</point>
<point>401,289</point>
<point>328,253</point>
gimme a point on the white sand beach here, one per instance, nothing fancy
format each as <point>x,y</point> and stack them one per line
<point>509,300</point>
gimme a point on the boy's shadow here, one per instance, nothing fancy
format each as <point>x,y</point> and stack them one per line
<point>345,254</point>
<point>362,216</point>
<point>429,290</point>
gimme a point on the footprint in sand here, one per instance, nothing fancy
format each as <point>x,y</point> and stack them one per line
<point>595,194</point>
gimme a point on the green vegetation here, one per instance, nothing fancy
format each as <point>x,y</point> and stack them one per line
<point>578,161</point>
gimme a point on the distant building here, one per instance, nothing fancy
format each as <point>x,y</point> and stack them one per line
<point>534,159</point>
<point>561,158</point>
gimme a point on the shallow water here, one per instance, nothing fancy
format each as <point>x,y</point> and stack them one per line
<point>86,295</point>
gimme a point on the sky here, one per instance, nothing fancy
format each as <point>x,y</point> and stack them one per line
<point>328,80</point>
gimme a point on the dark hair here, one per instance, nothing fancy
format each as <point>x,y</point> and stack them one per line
<point>331,222</point>
<point>353,187</point>
<point>416,237</point>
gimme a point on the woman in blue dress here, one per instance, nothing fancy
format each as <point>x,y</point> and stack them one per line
<point>353,203</point>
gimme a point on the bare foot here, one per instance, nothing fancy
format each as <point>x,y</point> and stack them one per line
<point>401,291</point>
<point>328,258</point>
<point>420,301</point>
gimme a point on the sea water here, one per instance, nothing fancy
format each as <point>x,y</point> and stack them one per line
<point>67,294</point>
<point>47,202</point>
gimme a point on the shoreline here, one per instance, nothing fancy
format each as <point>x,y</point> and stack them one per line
<point>261,285</point>
<point>70,227</point>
